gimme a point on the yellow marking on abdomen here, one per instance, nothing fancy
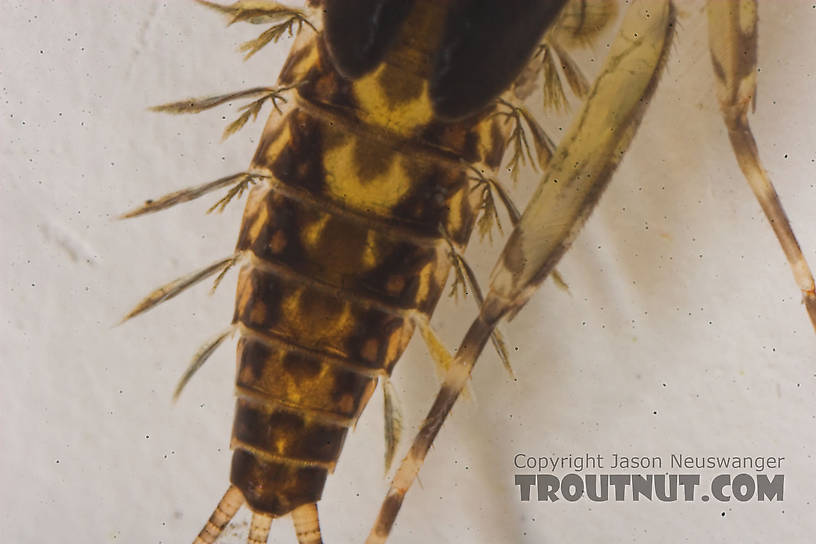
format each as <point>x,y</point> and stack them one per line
<point>402,118</point>
<point>311,234</point>
<point>381,191</point>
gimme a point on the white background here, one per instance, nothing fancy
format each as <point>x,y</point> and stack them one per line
<point>682,331</point>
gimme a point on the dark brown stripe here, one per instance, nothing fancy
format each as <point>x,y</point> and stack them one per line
<point>391,227</point>
<point>272,372</point>
<point>325,321</point>
<point>418,150</point>
<point>284,434</point>
<point>272,404</point>
<point>343,362</point>
<point>285,272</point>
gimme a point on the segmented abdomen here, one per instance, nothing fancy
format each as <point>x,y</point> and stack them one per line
<point>346,244</point>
